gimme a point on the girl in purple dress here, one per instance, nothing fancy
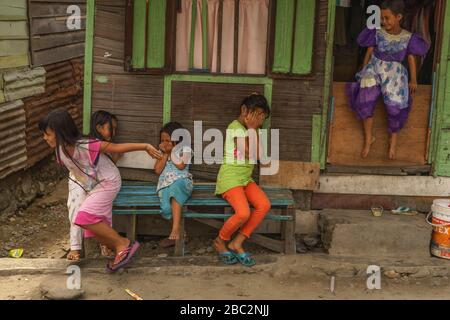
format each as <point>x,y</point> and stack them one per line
<point>383,74</point>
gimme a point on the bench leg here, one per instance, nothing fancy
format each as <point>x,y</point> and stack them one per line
<point>179,244</point>
<point>131,227</point>
<point>288,231</point>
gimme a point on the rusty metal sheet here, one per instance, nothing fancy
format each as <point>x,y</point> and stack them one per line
<point>13,152</point>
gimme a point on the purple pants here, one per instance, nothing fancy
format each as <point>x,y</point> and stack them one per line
<point>363,102</point>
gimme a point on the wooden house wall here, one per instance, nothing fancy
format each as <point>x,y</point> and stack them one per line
<point>215,104</point>
<point>51,40</point>
<point>137,100</point>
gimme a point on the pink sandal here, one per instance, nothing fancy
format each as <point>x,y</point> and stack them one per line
<point>123,257</point>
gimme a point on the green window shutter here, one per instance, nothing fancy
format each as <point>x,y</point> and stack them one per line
<point>156,34</point>
<point>139,13</point>
<point>304,36</point>
<point>284,28</point>
<point>294,36</point>
<point>148,50</point>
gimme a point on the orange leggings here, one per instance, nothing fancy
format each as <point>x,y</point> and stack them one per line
<point>239,198</point>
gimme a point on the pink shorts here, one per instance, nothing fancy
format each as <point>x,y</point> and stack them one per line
<point>84,218</point>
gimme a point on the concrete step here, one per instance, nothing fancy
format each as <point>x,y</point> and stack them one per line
<point>356,233</point>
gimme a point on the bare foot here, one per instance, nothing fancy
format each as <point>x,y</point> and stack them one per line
<point>236,247</point>
<point>366,149</point>
<point>174,235</point>
<point>220,245</point>
<point>74,255</point>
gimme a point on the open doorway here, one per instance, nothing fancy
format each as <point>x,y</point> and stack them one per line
<point>345,131</point>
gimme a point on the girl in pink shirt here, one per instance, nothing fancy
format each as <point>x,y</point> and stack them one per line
<point>94,171</point>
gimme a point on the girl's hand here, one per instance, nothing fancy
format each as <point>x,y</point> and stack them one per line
<point>252,120</point>
<point>153,152</point>
<point>412,87</point>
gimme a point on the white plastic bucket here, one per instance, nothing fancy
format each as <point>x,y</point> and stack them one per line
<point>440,220</point>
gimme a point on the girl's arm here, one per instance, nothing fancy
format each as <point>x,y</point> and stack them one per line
<point>367,56</point>
<point>412,73</point>
<point>161,163</point>
<point>116,156</point>
<point>108,147</point>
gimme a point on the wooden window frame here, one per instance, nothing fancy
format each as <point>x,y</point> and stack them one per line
<point>170,45</point>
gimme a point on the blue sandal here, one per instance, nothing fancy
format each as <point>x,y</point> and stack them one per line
<point>245,259</point>
<point>228,257</point>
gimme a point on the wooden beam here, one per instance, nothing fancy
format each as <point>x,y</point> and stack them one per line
<point>88,59</point>
<point>385,185</point>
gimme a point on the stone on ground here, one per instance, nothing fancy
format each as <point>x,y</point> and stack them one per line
<point>356,233</point>
<point>55,288</point>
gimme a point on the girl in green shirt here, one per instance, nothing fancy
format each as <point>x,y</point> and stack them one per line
<point>235,183</point>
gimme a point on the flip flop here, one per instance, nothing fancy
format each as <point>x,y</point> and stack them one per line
<point>123,257</point>
<point>404,211</point>
<point>245,259</point>
<point>167,243</point>
<point>228,257</point>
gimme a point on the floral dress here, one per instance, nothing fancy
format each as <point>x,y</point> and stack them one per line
<point>385,75</point>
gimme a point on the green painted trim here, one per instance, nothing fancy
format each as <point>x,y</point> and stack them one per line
<point>440,166</point>
<point>284,28</point>
<point>205,34</point>
<point>101,78</point>
<point>316,137</point>
<point>304,36</point>
<point>192,45</point>
<point>167,101</point>
<point>320,144</point>
<point>219,79</point>
<point>156,34</point>
<point>139,14</point>
<point>88,57</point>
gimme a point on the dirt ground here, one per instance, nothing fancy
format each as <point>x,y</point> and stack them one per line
<point>42,231</point>
<point>212,282</point>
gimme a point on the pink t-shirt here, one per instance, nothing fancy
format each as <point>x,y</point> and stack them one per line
<point>88,165</point>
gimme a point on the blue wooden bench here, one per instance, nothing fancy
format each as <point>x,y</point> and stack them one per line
<point>140,198</point>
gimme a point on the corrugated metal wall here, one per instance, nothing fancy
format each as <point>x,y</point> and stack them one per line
<point>63,89</point>
<point>26,93</point>
<point>13,151</point>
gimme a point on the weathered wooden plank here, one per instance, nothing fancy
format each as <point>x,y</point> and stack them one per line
<point>14,61</point>
<point>294,175</point>
<point>40,26</point>
<point>58,54</point>
<point>42,10</point>
<point>13,47</point>
<point>56,40</point>
<point>13,30</point>
<point>13,10</point>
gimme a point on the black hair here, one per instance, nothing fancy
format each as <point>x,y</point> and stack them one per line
<point>101,117</point>
<point>256,100</point>
<point>61,122</point>
<point>66,131</point>
<point>396,6</point>
<point>169,128</point>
